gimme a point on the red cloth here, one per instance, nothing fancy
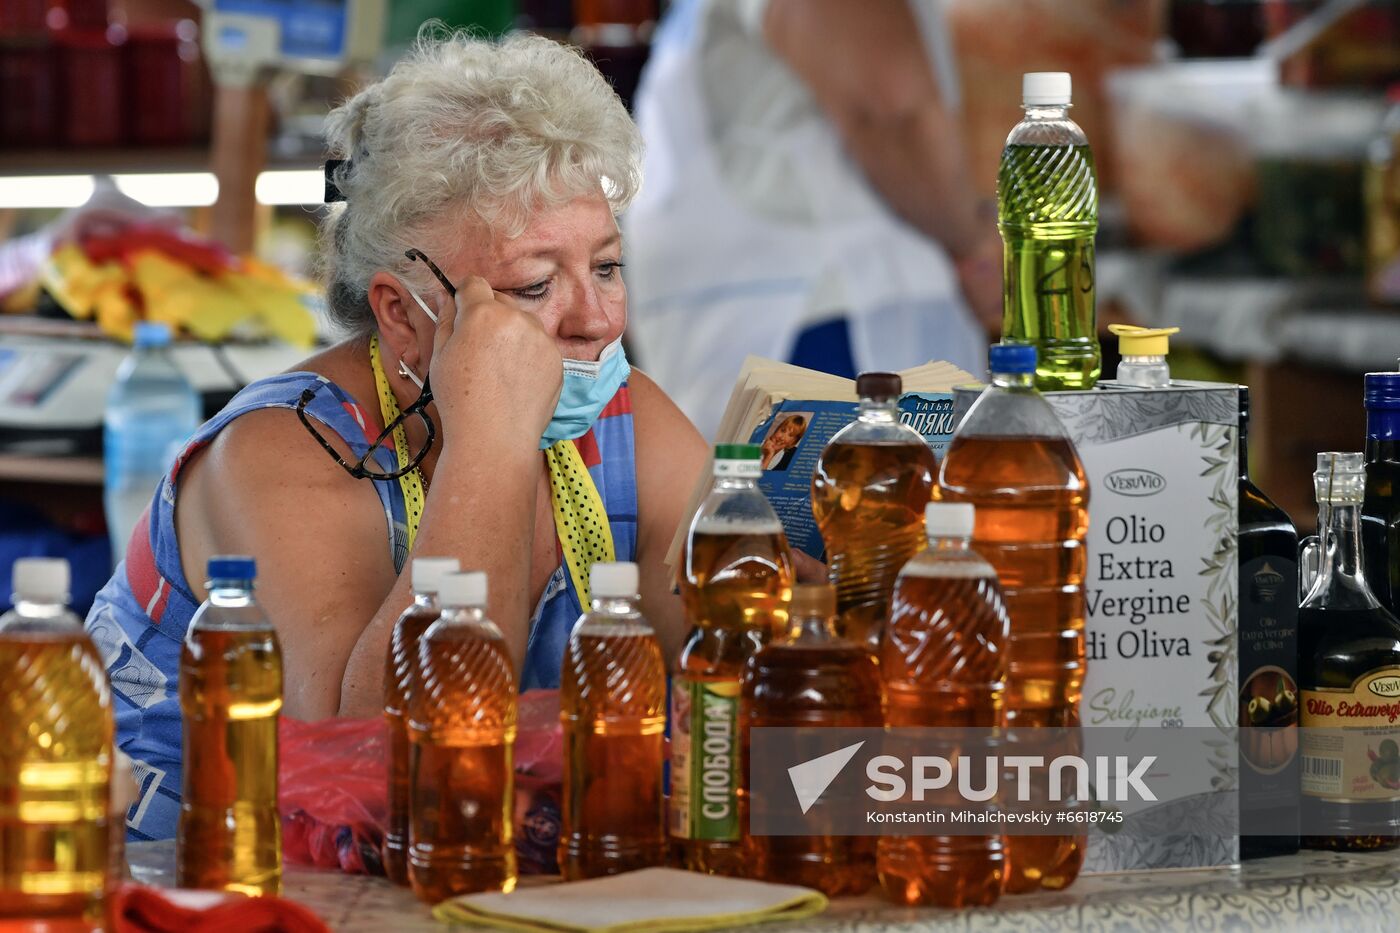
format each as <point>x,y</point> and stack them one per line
<point>144,909</point>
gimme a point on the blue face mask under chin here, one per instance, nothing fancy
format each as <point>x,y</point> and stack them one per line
<point>588,387</point>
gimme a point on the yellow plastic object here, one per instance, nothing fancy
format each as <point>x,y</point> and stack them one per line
<point>251,298</point>
<point>211,308</point>
<point>75,282</point>
<point>1142,341</point>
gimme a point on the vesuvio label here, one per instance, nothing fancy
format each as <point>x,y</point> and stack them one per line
<point>705,759</point>
<point>1351,739</point>
<point>1135,482</point>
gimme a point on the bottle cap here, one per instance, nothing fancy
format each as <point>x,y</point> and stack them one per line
<point>813,599</point>
<point>744,461</point>
<point>1013,358</point>
<point>1045,87</point>
<point>462,590</point>
<point>151,334</point>
<point>879,387</point>
<point>232,567</point>
<point>949,519</point>
<point>613,580</point>
<point>1142,341</point>
<point>1382,391</point>
<point>1340,478</point>
<point>429,571</point>
<point>738,452</point>
<point>41,579</point>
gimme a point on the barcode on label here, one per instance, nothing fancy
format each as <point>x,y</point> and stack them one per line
<point>1322,767</point>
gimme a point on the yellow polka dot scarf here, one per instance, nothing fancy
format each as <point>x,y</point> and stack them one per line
<point>579,516</point>
<point>414,489</point>
<point>580,519</point>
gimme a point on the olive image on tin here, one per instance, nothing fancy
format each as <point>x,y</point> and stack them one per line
<point>1268,720</point>
<point>1385,764</point>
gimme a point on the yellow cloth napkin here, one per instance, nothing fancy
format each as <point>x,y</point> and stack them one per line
<point>664,900</point>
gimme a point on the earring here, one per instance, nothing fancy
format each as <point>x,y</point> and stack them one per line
<point>404,370</point>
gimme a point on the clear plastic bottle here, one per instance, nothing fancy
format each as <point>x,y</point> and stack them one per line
<point>943,661</point>
<point>1348,680</point>
<point>230,833</point>
<point>151,411</point>
<point>1011,459</point>
<point>1048,214</point>
<point>400,679</point>
<point>736,582</point>
<point>868,495</point>
<point>56,728</point>
<point>1142,355</point>
<point>813,678</point>
<point>461,767</point>
<point>612,699</point>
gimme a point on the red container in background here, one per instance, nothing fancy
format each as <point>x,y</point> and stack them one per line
<point>23,17</point>
<point>85,14</point>
<point>167,85</point>
<point>94,86</point>
<point>29,98</point>
<point>605,12</point>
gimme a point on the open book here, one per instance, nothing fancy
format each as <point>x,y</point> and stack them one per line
<point>792,412</point>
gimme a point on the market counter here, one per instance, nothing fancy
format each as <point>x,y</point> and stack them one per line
<point>1309,891</point>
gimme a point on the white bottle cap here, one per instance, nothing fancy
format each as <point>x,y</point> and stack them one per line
<point>429,571</point>
<point>949,519</point>
<point>41,579</point>
<point>462,590</point>
<point>1045,88</point>
<point>613,580</point>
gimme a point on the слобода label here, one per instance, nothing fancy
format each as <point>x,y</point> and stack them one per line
<point>705,759</point>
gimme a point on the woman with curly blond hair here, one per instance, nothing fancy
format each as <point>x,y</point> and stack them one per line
<point>480,405</point>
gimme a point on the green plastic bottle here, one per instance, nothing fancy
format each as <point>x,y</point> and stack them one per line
<point>1048,213</point>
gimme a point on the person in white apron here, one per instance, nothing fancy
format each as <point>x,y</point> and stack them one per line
<point>756,231</point>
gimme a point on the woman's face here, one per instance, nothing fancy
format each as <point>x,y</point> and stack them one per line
<point>565,269</point>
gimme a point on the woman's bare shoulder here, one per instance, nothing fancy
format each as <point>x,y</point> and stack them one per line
<point>653,410</point>
<point>264,471</point>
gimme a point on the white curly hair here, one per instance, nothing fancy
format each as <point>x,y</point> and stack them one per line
<point>498,129</point>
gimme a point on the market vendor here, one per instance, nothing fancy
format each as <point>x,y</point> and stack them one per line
<point>492,172</point>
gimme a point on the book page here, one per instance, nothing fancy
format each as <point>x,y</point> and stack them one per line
<point>793,412</point>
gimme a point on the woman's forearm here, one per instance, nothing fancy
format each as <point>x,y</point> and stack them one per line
<point>489,532</point>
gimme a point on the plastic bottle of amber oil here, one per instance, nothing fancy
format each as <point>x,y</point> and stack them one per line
<point>230,834</point>
<point>612,696</point>
<point>462,725</point>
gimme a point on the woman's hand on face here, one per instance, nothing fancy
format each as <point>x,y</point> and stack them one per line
<point>494,364</point>
<point>808,568</point>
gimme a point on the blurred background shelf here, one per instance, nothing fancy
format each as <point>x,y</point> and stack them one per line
<point>64,471</point>
<point>21,162</point>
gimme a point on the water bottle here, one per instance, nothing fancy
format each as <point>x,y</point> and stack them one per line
<point>1048,214</point>
<point>151,411</point>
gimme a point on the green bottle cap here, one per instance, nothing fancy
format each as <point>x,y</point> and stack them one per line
<point>738,452</point>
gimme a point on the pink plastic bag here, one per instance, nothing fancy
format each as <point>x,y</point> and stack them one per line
<point>334,789</point>
<point>333,793</point>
